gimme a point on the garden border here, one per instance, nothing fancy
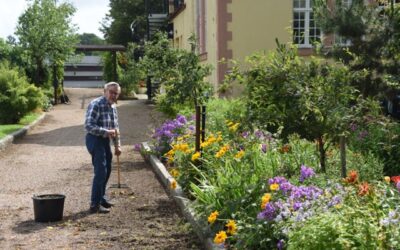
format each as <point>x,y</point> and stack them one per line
<point>178,196</point>
<point>19,133</point>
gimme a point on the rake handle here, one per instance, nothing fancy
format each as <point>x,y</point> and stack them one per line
<point>118,172</point>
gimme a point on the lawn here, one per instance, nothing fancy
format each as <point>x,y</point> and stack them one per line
<point>6,129</point>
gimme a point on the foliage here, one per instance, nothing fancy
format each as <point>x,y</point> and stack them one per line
<point>179,72</point>
<point>45,31</point>
<point>289,94</point>
<point>131,72</point>
<point>116,26</point>
<point>373,49</point>
<point>108,66</point>
<point>91,39</point>
<point>379,137</point>
<point>17,96</point>
<point>269,189</point>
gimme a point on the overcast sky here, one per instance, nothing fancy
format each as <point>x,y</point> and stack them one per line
<point>87,17</point>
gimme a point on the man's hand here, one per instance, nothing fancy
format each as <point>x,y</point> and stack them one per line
<point>118,150</point>
<point>111,133</point>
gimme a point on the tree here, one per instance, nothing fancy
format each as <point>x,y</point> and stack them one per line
<point>46,33</point>
<point>373,35</point>
<point>125,15</point>
<point>91,39</point>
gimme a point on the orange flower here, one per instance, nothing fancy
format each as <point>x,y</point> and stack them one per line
<point>213,217</point>
<point>363,189</point>
<point>352,177</point>
<point>220,237</point>
<point>231,227</point>
<point>173,184</point>
<point>285,148</point>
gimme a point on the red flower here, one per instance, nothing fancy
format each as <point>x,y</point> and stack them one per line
<point>352,177</point>
<point>395,179</point>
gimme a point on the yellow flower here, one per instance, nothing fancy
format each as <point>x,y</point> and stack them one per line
<point>220,237</point>
<point>195,156</point>
<point>231,227</point>
<point>173,184</point>
<point>387,179</point>
<point>234,127</point>
<point>174,172</point>
<point>240,154</point>
<point>222,151</point>
<point>274,187</point>
<point>213,217</point>
<point>265,199</point>
<point>204,144</point>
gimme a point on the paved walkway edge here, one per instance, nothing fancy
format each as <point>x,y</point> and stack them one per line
<point>178,196</point>
<point>19,133</point>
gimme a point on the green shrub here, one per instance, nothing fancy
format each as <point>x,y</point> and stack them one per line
<point>17,96</point>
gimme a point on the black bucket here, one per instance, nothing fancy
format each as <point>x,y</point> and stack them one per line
<point>48,207</point>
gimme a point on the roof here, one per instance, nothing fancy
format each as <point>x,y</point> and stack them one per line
<point>107,47</point>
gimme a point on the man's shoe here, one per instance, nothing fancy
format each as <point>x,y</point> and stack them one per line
<point>99,209</point>
<point>107,204</point>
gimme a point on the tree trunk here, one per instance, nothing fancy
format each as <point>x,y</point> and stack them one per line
<point>322,155</point>
<point>343,155</point>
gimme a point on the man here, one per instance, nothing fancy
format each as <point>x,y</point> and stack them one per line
<point>101,125</point>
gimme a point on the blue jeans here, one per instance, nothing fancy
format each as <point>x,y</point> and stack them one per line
<point>100,150</point>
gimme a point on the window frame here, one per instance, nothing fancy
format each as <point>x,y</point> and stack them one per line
<point>307,11</point>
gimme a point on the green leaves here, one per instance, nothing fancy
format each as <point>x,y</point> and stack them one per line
<point>45,32</point>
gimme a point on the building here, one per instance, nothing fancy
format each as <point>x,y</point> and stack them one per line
<point>234,29</point>
<point>85,73</point>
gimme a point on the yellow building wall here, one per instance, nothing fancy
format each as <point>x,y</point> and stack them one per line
<point>184,26</point>
<point>256,23</point>
<point>211,39</point>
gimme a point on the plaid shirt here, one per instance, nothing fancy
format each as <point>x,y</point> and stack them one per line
<point>101,116</point>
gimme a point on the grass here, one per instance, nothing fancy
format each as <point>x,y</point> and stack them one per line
<point>6,129</point>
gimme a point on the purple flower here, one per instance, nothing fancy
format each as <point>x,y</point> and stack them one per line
<point>297,206</point>
<point>285,187</point>
<point>280,244</point>
<point>264,148</point>
<point>259,134</point>
<point>137,147</point>
<point>245,134</point>
<point>278,179</point>
<point>398,185</point>
<point>268,213</point>
<point>362,134</point>
<point>353,127</point>
<point>305,173</point>
<point>335,200</point>
<point>181,119</point>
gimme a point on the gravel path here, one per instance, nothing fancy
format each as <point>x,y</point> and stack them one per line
<point>52,158</point>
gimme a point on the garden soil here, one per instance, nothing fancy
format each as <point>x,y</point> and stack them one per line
<point>52,159</point>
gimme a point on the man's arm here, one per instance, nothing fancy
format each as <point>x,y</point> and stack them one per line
<point>91,119</point>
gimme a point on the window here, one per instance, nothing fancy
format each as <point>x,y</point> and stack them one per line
<point>305,30</point>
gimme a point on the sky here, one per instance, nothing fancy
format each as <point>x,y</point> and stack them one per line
<point>87,17</point>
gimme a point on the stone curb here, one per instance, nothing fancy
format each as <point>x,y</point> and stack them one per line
<point>19,133</point>
<point>178,196</point>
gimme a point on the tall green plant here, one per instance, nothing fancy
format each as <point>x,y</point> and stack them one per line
<point>17,96</point>
<point>179,72</point>
<point>309,97</point>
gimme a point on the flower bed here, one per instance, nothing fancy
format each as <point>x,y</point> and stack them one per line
<point>254,191</point>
